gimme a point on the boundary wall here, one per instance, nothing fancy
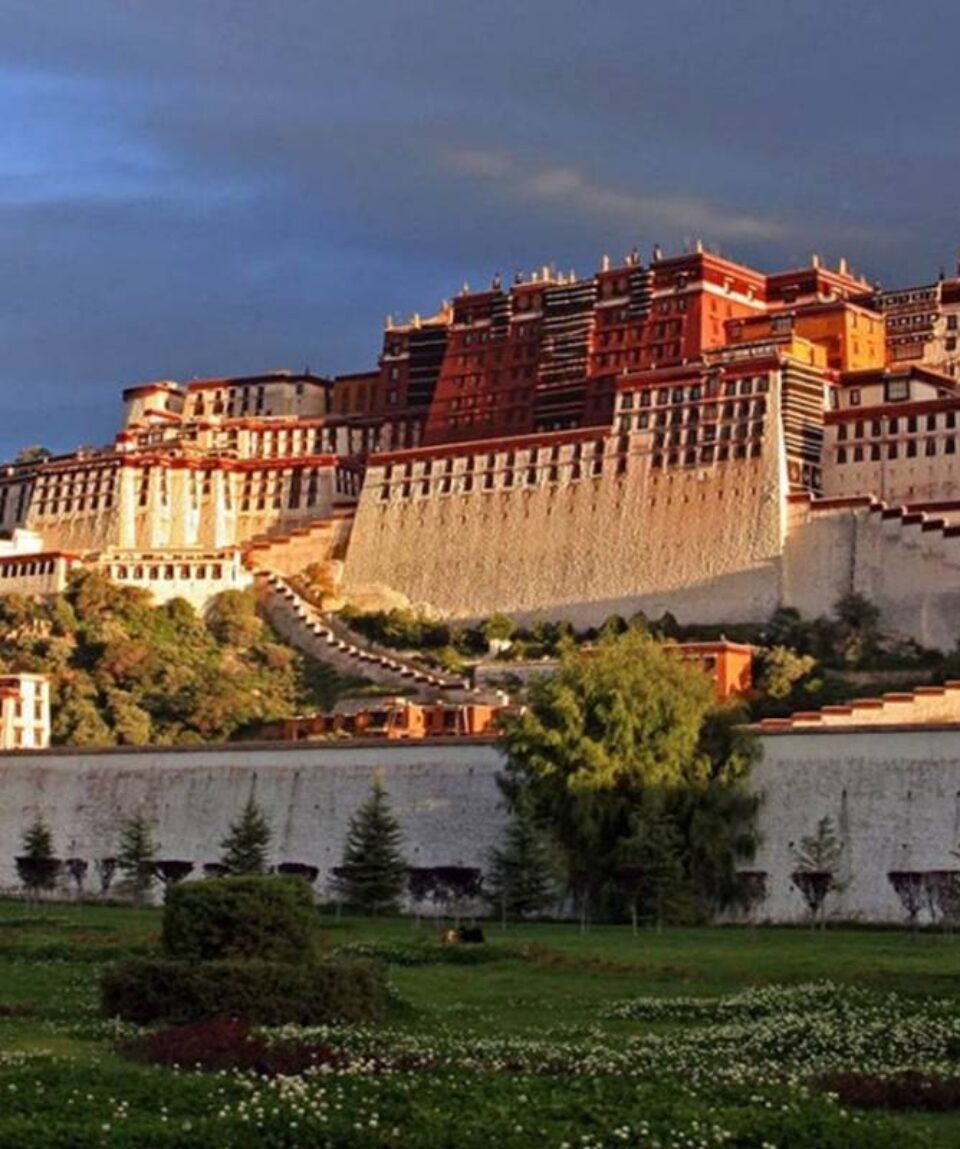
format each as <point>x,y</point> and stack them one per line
<point>892,791</point>
<point>444,793</point>
<point>893,794</point>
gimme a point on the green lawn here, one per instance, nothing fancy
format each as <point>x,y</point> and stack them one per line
<point>517,1049</point>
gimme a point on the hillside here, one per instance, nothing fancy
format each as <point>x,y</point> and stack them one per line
<point>125,671</point>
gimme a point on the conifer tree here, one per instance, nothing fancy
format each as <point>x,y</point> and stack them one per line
<point>135,856</point>
<point>521,877</point>
<point>817,861</point>
<point>37,868</point>
<point>374,873</point>
<point>245,846</point>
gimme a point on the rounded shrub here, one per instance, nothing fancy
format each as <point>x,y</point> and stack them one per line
<point>144,990</point>
<point>267,919</point>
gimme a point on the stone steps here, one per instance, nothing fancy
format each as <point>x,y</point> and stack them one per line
<point>301,624</point>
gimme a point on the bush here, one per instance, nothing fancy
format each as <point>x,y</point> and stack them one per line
<point>260,992</point>
<point>269,919</point>
<point>900,1091</point>
<point>227,1044</point>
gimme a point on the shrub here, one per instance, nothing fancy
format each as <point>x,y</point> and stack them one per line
<point>901,1091</point>
<point>261,992</point>
<point>270,919</point>
<point>228,1044</point>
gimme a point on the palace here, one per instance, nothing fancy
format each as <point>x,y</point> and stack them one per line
<point>684,434</point>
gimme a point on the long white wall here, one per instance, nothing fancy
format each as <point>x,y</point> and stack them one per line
<point>444,794</point>
<point>893,796</point>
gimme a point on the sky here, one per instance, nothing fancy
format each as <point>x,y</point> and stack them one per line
<point>214,187</point>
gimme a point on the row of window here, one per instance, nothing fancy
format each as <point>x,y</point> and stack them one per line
<point>155,572</point>
<point>694,415</point>
<point>706,455</point>
<point>896,424</point>
<point>666,396</point>
<point>874,452</point>
<point>27,568</point>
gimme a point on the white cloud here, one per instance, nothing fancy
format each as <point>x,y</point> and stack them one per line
<point>567,187</point>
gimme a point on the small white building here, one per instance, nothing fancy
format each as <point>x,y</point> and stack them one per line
<point>24,712</point>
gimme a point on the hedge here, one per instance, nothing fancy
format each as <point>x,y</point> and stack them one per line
<point>143,990</point>
<point>267,919</point>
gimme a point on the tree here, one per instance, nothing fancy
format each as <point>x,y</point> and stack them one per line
<point>448,887</point>
<point>817,861</point>
<point>780,670</point>
<point>135,856</point>
<point>172,871</point>
<point>374,873</point>
<point>37,868</point>
<point>521,880</point>
<point>651,874</point>
<point>232,618</point>
<point>106,868</point>
<point>77,869</point>
<point>245,846</point>
<point>910,887</point>
<point>625,728</point>
<point>498,629</point>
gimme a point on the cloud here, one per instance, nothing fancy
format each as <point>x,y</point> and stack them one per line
<point>567,189</point>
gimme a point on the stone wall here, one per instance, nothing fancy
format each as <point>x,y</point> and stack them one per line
<point>907,564</point>
<point>444,794</point>
<point>893,796</point>
<point>704,543</point>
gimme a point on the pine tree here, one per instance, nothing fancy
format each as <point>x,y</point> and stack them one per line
<point>37,868</point>
<point>521,878</point>
<point>374,873</point>
<point>245,846</point>
<point>135,856</point>
<point>817,861</point>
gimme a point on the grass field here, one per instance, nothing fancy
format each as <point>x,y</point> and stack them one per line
<point>544,1036</point>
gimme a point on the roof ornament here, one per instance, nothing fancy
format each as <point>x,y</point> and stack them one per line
<point>657,253</point>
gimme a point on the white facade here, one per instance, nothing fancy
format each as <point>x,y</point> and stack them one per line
<point>24,712</point>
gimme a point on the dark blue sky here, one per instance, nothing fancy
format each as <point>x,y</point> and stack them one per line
<point>206,187</point>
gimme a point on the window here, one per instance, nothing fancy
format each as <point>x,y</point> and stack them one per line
<point>897,390</point>
<point>931,448</point>
<point>854,396</point>
<point>841,454</point>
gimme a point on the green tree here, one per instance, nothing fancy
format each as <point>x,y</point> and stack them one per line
<point>37,868</point>
<point>498,628</point>
<point>651,875</point>
<point>816,866</point>
<point>245,846</point>
<point>135,857</point>
<point>373,873</point>
<point>615,733</point>
<point>780,670</point>
<point>521,879</point>
<point>232,618</point>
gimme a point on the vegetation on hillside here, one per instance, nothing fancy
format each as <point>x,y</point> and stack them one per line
<point>801,663</point>
<point>125,671</point>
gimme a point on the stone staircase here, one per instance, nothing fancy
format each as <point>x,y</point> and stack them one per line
<point>289,551</point>
<point>306,628</point>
